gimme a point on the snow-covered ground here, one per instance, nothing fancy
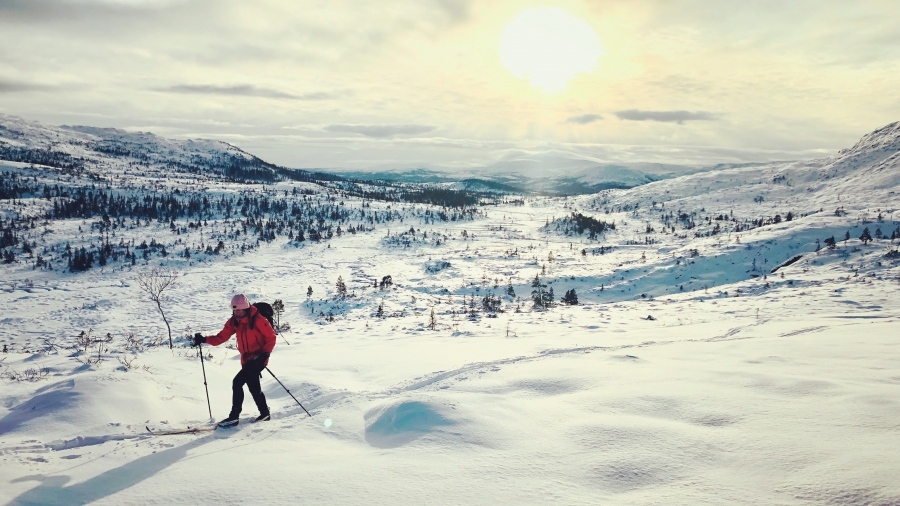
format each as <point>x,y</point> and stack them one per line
<point>689,372</point>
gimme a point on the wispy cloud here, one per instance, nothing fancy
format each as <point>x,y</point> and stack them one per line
<point>457,11</point>
<point>243,90</point>
<point>666,116</point>
<point>381,131</point>
<point>17,86</point>
<point>584,119</point>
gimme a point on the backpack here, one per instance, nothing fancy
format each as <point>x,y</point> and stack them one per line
<point>265,309</point>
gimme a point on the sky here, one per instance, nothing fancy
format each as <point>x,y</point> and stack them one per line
<point>463,83</point>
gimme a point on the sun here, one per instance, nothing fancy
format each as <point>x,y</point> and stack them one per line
<point>548,46</point>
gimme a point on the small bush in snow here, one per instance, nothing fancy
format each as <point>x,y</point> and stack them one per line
<point>436,266</point>
<point>30,374</point>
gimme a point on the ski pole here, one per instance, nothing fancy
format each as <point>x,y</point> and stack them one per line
<point>200,352</point>
<point>288,391</point>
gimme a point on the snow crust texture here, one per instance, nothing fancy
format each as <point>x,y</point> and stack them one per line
<point>734,341</point>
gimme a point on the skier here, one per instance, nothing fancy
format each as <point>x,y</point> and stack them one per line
<point>255,341</point>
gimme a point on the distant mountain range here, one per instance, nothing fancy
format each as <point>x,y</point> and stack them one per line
<point>544,174</point>
<point>98,151</point>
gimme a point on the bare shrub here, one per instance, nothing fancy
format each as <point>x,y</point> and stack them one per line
<point>155,284</point>
<point>133,342</point>
<point>85,343</point>
<point>30,374</point>
<point>432,320</point>
<point>84,340</point>
<point>127,362</point>
<point>51,346</point>
<point>156,342</point>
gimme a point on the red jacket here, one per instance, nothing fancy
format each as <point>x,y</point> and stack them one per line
<point>251,341</point>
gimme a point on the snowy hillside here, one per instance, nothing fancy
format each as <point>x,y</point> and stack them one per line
<point>109,155</point>
<point>694,340</point>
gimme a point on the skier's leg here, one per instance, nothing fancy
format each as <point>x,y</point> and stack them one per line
<point>256,391</point>
<point>237,391</point>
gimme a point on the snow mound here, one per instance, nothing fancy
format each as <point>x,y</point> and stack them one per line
<point>402,423</point>
<point>53,397</point>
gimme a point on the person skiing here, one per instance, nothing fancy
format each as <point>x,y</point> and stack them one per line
<point>255,341</point>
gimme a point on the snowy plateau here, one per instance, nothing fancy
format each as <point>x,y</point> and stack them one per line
<point>736,336</point>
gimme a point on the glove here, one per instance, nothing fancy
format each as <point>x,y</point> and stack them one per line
<point>259,361</point>
<point>198,339</point>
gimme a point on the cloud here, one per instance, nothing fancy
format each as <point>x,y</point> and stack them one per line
<point>17,86</point>
<point>584,119</point>
<point>381,131</point>
<point>666,116</point>
<point>457,11</point>
<point>244,90</point>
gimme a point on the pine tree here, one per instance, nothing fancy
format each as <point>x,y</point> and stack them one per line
<point>510,290</point>
<point>380,312</point>
<point>549,299</point>
<point>432,320</point>
<point>278,309</point>
<point>308,292</point>
<point>570,298</point>
<point>491,303</point>
<point>538,295</point>
<point>866,236</point>
<point>341,287</point>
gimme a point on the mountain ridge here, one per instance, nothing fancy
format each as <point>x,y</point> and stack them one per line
<point>100,149</point>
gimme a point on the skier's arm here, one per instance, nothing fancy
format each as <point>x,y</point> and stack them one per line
<point>268,335</point>
<point>222,336</point>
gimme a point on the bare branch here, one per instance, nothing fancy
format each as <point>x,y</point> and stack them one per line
<point>155,283</point>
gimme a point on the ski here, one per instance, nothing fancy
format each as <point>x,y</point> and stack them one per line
<point>189,430</point>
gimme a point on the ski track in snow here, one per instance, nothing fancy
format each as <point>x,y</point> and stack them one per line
<point>322,402</point>
<point>437,377</point>
<point>803,331</point>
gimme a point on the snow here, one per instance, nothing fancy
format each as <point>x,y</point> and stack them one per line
<point>743,387</point>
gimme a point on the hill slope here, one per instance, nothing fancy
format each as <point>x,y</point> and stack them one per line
<point>688,373</point>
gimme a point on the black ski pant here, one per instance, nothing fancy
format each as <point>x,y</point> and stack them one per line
<point>250,374</point>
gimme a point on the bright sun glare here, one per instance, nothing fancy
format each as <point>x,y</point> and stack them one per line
<point>548,47</point>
